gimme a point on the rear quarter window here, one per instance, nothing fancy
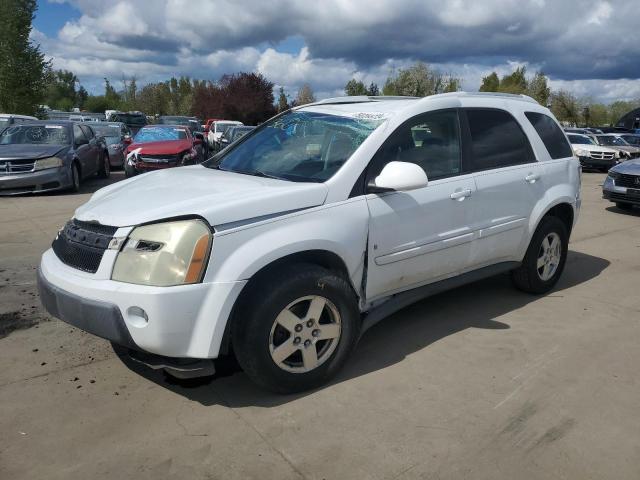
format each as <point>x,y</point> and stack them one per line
<point>550,134</point>
<point>497,139</point>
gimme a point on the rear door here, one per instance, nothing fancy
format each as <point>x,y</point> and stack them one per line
<point>424,235</point>
<point>83,150</point>
<point>95,148</point>
<point>509,182</point>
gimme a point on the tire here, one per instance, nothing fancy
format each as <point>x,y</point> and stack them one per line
<point>305,289</point>
<point>533,279</point>
<point>105,169</point>
<point>129,171</point>
<point>75,178</point>
<point>624,206</point>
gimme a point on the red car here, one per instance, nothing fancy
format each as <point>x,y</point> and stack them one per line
<point>161,146</point>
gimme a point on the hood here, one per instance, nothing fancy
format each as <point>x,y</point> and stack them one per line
<point>219,197</point>
<point>630,167</point>
<point>593,148</point>
<point>167,147</point>
<point>29,151</point>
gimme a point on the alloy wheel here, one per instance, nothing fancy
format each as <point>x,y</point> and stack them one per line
<point>549,256</point>
<point>305,334</point>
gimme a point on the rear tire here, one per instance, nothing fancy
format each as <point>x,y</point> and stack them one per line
<point>624,206</point>
<point>105,170</point>
<point>322,322</point>
<point>75,178</point>
<point>545,258</point>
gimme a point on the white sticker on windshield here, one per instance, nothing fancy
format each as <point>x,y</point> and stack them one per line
<point>369,115</point>
<point>54,126</point>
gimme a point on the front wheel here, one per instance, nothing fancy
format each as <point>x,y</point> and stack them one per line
<point>296,328</point>
<point>545,258</point>
<point>624,206</point>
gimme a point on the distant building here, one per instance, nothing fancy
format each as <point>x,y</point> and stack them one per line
<point>630,120</point>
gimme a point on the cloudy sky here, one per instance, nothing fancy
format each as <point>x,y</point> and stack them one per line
<point>590,47</point>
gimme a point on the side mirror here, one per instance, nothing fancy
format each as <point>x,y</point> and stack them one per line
<point>127,139</point>
<point>399,177</point>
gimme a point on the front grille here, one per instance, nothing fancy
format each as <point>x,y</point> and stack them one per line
<point>629,181</point>
<point>16,166</point>
<point>602,155</point>
<point>82,244</point>
<point>160,158</point>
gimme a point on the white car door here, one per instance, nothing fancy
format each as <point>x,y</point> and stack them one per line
<point>509,180</point>
<point>423,235</point>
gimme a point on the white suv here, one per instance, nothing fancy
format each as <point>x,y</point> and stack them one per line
<point>285,247</point>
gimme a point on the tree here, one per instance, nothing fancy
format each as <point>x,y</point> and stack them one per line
<point>111,97</point>
<point>61,90</point>
<point>355,87</point>
<point>419,80</point>
<point>247,97</point>
<point>516,82</point>
<point>305,95</point>
<point>373,90</point>
<point>565,107</point>
<point>538,89</point>
<point>283,103</point>
<point>599,114</point>
<point>81,97</point>
<point>490,83</point>
<point>97,103</point>
<point>23,69</point>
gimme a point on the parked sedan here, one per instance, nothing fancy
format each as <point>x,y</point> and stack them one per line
<point>592,155</point>
<point>613,140</point>
<point>44,156</point>
<point>117,136</point>
<point>196,131</point>
<point>160,146</point>
<point>622,185</point>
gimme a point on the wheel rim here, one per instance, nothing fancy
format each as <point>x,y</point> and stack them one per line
<point>549,256</point>
<point>305,334</point>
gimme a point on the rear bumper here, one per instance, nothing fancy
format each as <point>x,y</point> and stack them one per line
<point>41,181</point>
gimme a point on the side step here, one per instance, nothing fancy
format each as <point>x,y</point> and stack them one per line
<point>183,368</point>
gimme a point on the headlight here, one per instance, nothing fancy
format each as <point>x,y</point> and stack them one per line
<point>164,254</point>
<point>614,175</point>
<point>581,152</point>
<point>51,162</point>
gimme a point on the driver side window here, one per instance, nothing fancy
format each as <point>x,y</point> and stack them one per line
<point>79,136</point>
<point>430,140</point>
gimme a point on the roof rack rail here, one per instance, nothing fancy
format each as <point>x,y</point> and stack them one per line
<point>514,96</point>
<point>360,99</point>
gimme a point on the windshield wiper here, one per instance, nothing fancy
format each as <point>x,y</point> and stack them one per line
<point>255,173</point>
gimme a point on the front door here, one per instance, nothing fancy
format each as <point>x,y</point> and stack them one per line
<point>424,235</point>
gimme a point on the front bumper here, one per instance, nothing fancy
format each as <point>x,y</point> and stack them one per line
<point>614,193</point>
<point>40,181</point>
<point>186,321</point>
<point>588,162</point>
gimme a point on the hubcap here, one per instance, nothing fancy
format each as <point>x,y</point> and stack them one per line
<point>305,334</point>
<point>549,256</point>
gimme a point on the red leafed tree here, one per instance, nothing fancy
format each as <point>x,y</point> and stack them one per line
<point>247,97</point>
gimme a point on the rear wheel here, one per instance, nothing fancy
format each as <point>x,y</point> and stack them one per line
<point>297,328</point>
<point>105,169</point>
<point>75,178</point>
<point>545,258</point>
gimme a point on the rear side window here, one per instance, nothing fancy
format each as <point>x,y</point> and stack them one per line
<point>497,140</point>
<point>550,134</point>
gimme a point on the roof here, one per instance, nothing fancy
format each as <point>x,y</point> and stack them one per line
<point>17,116</point>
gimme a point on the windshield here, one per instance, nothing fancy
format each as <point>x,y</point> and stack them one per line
<point>36,135</point>
<point>106,130</point>
<point>299,146</point>
<point>159,134</point>
<point>223,127</point>
<point>130,119</point>
<point>239,132</point>
<point>632,140</point>
<point>579,140</point>
<point>3,122</point>
<point>173,121</point>
<point>606,140</point>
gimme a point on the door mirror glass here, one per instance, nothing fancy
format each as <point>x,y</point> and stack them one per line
<point>399,177</point>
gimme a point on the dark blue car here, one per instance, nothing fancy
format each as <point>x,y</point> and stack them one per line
<point>45,156</point>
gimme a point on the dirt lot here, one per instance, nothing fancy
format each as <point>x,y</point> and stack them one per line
<point>482,382</point>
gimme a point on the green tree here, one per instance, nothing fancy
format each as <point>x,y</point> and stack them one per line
<point>81,97</point>
<point>490,83</point>
<point>305,95</point>
<point>538,89</point>
<point>97,103</point>
<point>111,97</point>
<point>355,87</point>
<point>566,107</point>
<point>419,80</point>
<point>23,69</point>
<point>599,114</point>
<point>373,90</point>
<point>516,82</point>
<point>61,90</point>
<point>283,103</point>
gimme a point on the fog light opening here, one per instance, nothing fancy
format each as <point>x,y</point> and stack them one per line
<point>137,316</point>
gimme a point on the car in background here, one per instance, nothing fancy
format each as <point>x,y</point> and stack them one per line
<point>630,138</point>
<point>117,136</point>
<point>157,147</point>
<point>50,155</point>
<point>194,126</point>
<point>8,119</point>
<point>234,133</point>
<point>622,185</point>
<point>591,155</point>
<point>134,120</point>
<point>216,130</point>
<point>613,140</point>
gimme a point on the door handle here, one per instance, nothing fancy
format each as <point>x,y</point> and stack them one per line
<point>460,195</point>
<point>532,178</point>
